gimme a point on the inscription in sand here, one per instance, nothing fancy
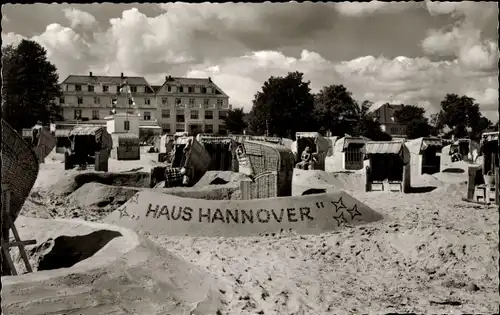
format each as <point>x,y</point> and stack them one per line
<point>242,216</point>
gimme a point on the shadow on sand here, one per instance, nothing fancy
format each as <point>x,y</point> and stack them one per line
<point>421,190</point>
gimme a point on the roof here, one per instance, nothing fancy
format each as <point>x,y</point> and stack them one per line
<point>169,80</point>
<point>378,105</point>
<point>416,146</point>
<point>383,147</point>
<point>85,130</point>
<point>99,79</point>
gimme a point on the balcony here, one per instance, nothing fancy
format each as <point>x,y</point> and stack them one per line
<point>209,106</point>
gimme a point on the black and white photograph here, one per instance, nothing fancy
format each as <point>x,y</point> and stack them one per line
<point>278,158</point>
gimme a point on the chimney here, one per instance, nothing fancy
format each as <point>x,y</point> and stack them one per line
<point>166,78</point>
<point>122,75</point>
<point>210,79</point>
<point>90,73</point>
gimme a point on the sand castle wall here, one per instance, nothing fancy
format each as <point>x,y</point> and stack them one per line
<point>158,213</point>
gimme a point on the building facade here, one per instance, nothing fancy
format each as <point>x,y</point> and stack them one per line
<point>180,104</point>
<point>89,99</point>
<point>191,105</point>
<point>384,113</point>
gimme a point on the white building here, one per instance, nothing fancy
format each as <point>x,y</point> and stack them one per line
<point>180,104</point>
<point>89,99</point>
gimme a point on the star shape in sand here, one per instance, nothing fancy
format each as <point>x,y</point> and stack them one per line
<point>340,219</point>
<point>339,204</point>
<point>123,212</point>
<point>354,211</point>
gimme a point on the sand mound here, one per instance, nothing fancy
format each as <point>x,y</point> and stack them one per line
<point>304,181</point>
<point>101,269</point>
<point>99,195</point>
<point>73,180</point>
<point>220,178</point>
<point>426,180</point>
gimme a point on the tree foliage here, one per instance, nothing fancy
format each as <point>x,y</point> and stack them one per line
<point>461,114</point>
<point>283,107</point>
<point>366,126</point>
<point>30,86</point>
<point>417,125</point>
<point>336,111</point>
<point>235,121</point>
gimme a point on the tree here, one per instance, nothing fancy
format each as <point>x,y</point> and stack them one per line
<point>283,107</point>
<point>30,86</point>
<point>367,127</point>
<point>335,110</point>
<point>460,114</point>
<point>235,121</point>
<point>417,125</point>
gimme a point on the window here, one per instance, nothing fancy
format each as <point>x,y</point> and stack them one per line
<point>114,101</point>
<point>209,128</point>
<point>394,129</point>
<point>165,113</point>
<point>194,114</point>
<point>178,101</point>
<point>126,125</point>
<point>90,88</point>
<point>179,127</point>
<point>209,114</point>
<point>354,157</point>
<point>179,117</point>
<point>77,114</point>
<point>206,101</point>
<point>164,100</point>
<point>130,101</point>
<point>209,90</point>
<point>133,89</point>
<point>97,100</point>
<point>165,128</point>
<point>78,88</point>
<point>95,114</point>
<point>190,89</point>
<point>191,101</point>
<point>79,100</point>
<point>220,103</point>
<point>67,87</point>
<point>204,90</point>
<point>147,101</point>
<point>222,114</point>
<point>61,100</point>
<point>105,88</point>
<point>222,129</point>
<point>181,89</point>
<point>147,115</point>
<point>169,88</point>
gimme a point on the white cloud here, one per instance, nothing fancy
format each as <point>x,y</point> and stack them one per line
<point>66,49</point>
<point>11,38</point>
<point>367,8</point>
<point>409,80</point>
<point>464,40</point>
<point>79,18</point>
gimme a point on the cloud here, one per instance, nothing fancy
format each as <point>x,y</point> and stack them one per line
<point>66,49</point>
<point>11,38</point>
<point>79,18</point>
<point>366,8</point>
<point>465,40</point>
<point>416,81</point>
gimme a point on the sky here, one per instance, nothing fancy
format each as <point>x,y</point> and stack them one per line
<point>400,52</point>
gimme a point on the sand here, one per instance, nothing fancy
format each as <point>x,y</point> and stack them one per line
<point>433,253</point>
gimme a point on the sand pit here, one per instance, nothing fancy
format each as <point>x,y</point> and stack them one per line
<point>157,213</point>
<point>112,270</point>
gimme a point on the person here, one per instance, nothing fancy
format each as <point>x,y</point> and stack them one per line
<point>307,158</point>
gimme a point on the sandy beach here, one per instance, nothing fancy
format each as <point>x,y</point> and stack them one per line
<point>432,253</point>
